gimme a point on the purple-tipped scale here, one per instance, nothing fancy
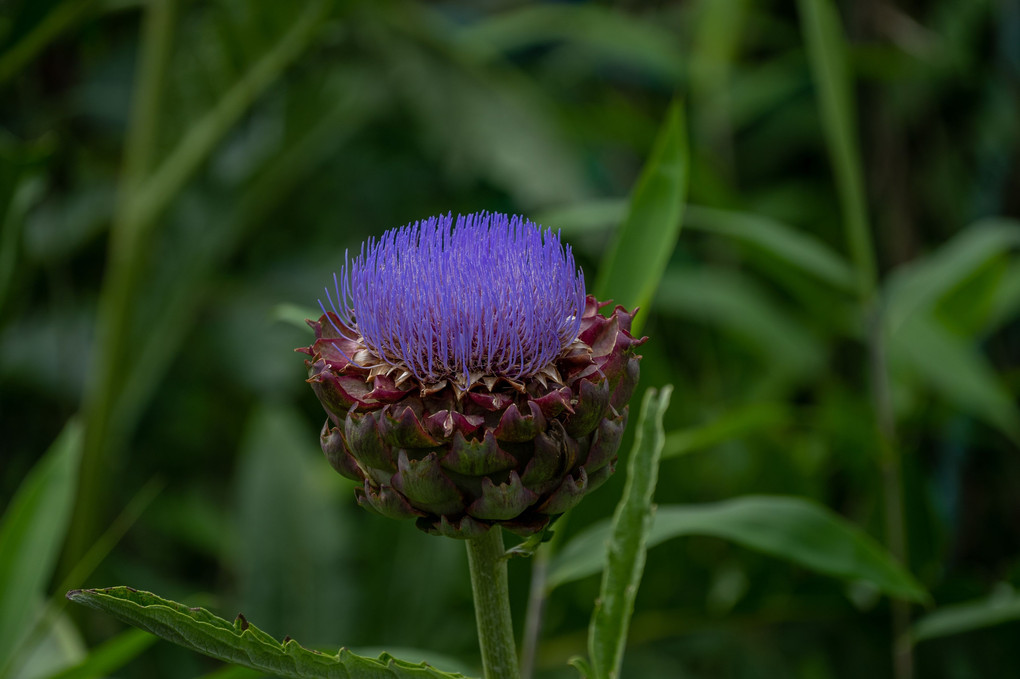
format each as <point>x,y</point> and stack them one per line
<point>468,379</point>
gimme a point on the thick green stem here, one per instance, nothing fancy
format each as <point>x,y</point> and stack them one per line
<point>492,605</point>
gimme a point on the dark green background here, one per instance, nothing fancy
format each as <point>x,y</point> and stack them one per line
<point>291,145</point>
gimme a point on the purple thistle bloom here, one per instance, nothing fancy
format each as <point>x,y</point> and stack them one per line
<point>468,380</point>
<point>485,296</point>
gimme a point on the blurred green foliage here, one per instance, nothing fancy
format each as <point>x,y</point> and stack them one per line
<point>178,177</point>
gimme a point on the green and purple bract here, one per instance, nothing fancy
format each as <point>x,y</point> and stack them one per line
<point>468,380</point>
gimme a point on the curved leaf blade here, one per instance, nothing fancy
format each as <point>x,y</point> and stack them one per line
<point>589,216</point>
<point>798,249</point>
<point>31,534</point>
<point>737,304</point>
<point>755,418</point>
<point>602,33</point>
<point>790,528</point>
<point>779,240</point>
<point>956,370</point>
<point>241,642</point>
<point>918,286</point>
<point>827,56</point>
<point>109,657</point>
<point>627,547</point>
<point>967,616</point>
<point>634,265</point>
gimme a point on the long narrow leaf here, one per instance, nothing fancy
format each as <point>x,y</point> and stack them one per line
<point>134,223</point>
<point>241,642</point>
<point>31,534</point>
<point>966,617</point>
<point>826,50</point>
<point>625,558</point>
<point>603,33</point>
<point>585,217</point>
<point>783,242</point>
<point>918,286</point>
<point>55,21</point>
<point>1005,304</point>
<point>790,528</point>
<point>109,657</point>
<point>170,176</point>
<point>754,418</point>
<point>633,266</point>
<point>955,370</point>
<point>732,301</point>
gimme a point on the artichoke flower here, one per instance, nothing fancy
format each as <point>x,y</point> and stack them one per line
<point>468,379</point>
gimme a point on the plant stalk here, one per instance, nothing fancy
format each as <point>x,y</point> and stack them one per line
<point>892,489</point>
<point>492,605</point>
<point>827,50</point>
<point>124,268</point>
<point>533,616</point>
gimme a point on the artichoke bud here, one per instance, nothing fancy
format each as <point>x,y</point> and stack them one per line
<point>468,379</point>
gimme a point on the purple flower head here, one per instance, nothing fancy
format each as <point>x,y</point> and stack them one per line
<point>485,296</point>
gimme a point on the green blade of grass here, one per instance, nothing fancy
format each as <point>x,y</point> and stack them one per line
<point>633,266</point>
<point>734,302</point>
<point>134,223</point>
<point>756,418</point>
<point>956,370</point>
<point>779,240</point>
<point>968,616</point>
<point>917,287</point>
<point>56,21</point>
<point>786,244</point>
<point>31,534</point>
<point>826,51</point>
<point>109,657</point>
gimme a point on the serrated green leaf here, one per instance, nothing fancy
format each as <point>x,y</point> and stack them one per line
<point>425,655</point>
<point>633,266</point>
<point>241,642</point>
<point>790,528</point>
<point>31,534</point>
<point>233,672</point>
<point>625,557</point>
<point>968,616</point>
